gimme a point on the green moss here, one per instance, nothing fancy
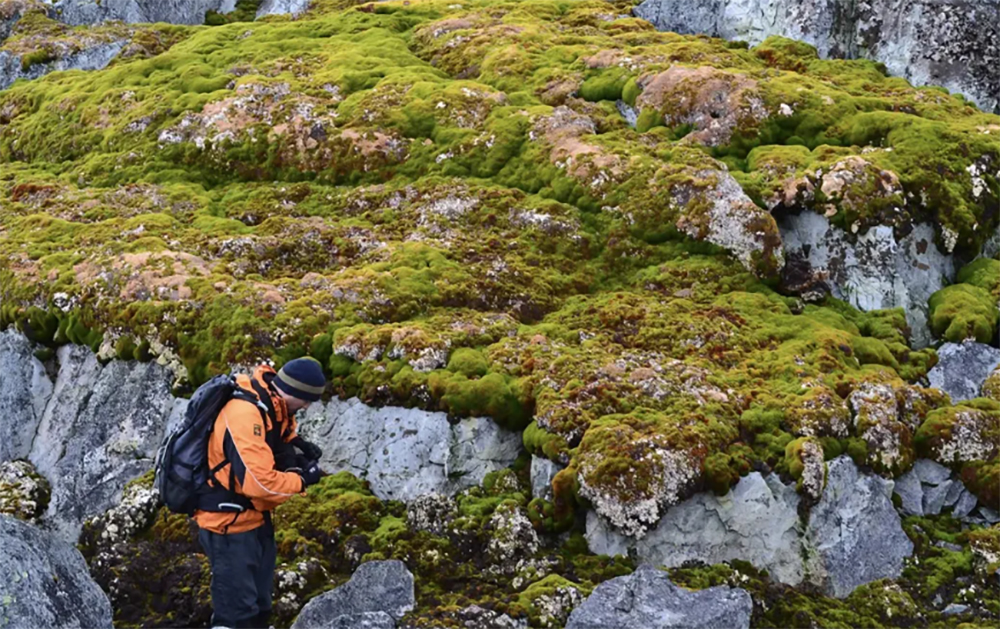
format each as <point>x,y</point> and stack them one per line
<point>964,311</point>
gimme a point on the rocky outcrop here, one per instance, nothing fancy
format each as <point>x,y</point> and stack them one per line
<point>24,390</point>
<point>100,430</point>
<point>951,43</point>
<point>853,532</point>
<point>92,57</point>
<point>44,582</point>
<point>648,599</point>
<point>872,271</point>
<point>963,368</point>
<point>378,594</point>
<point>405,453</point>
<point>282,7</point>
<point>78,12</point>
<point>929,488</point>
<point>852,535</point>
<point>24,493</point>
<point>757,521</point>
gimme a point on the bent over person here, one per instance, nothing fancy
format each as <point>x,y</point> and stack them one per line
<point>249,447</point>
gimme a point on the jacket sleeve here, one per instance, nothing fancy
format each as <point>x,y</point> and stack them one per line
<point>252,459</point>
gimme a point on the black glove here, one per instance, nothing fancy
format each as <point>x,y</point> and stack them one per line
<point>311,450</point>
<point>311,474</point>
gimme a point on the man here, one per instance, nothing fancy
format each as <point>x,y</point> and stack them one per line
<point>237,534</point>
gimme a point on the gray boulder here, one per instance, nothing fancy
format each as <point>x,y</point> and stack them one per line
<point>875,271</point>
<point>962,368</point>
<point>100,430</point>
<point>952,43</point>
<point>44,582</point>
<point>405,453</point>
<point>757,521</point>
<point>92,57</point>
<point>929,487</point>
<point>648,599</point>
<point>78,12</point>
<point>378,594</point>
<point>854,533</point>
<point>24,390</point>
<point>852,536</point>
<point>542,472</point>
<point>282,7</point>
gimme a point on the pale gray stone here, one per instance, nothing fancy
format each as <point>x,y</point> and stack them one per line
<point>965,504</point>
<point>757,521</point>
<point>853,533</point>
<point>952,43</point>
<point>44,582</point>
<point>94,57</point>
<point>648,599</point>
<point>25,389</point>
<point>962,368</point>
<point>282,7</point>
<point>876,271</point>
<point>542,472</point>
<point>934,497</point>
<point>931,472</point>
<point>911,493</point>
<point>405,453</point>
<point>377,587</point>
<point>78,12</point>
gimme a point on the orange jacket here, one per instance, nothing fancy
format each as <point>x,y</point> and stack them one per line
<point>239,437</point>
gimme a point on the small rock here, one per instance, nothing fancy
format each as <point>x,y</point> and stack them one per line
<point>648,599</point>
<point>24,493</point>
<point>954,609</point>
<point>911,493</point>
<point>965,504</point>
<point>931,472</point>
<point>934,497</point>
<point>962,368</point>
<point>378,590</point>
<point>542,472</point>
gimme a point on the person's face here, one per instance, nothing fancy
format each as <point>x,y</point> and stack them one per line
<point>294,404</point>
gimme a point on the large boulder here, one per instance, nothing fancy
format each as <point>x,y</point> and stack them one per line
<point>962,368</point>
<point>282,7</point>
<point>648,599</point>
<point>378,594</point>
<point>405,453</point>
<point>757,521</point>
<point>92,55</point>
<point>951,43</point>
<point>24,390</point>
<point>874,270</point>
<point>77,12</point>
<point>100,430</point>
<point>852,535</point>
<point>44,582</point>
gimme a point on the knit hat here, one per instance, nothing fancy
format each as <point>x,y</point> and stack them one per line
<point>302,378</point>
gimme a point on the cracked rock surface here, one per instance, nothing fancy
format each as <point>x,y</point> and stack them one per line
<point>405,453</point>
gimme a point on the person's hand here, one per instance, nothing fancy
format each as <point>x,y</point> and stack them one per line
<point>311,450</point>
<point>311,474</point>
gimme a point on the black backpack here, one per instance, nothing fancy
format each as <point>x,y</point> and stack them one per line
<point>182,472</point>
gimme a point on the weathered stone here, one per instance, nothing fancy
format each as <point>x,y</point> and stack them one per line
<point>951,43</point>
<point>876,271</point>
<point>934,497</point>
<point>965,504</point>
<point>542,472</point>
<point>378,590</point>
<point>405,453</point>
<point>931,472</point>
<point>911,493</point>
<point>282,7</point>
<point>757,521</point>
<point>100,430</point>
<point>94,57</point>
<point>44,582</point>
<point>135,512</point>
<point>648,599</point>
<point>24,494</point>
<point>512,538</point>
<point>431,513</point>
<point>78,12</point>
<point>962,368</point>
<point>24,390</point>
<point>853,532</point>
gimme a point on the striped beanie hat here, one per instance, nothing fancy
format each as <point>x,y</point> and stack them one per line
<point>302,378</point>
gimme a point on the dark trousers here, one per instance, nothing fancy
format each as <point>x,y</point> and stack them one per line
<point>242,576</point>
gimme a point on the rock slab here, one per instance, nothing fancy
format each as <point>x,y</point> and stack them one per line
<point>378,594</point>
<point>853,534</point>
<point>24,391</point>
<point>962,368</point>
<point>854,531</point>
<point>648,599</point>
<point>44,582</point>
<point>405,453</point>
